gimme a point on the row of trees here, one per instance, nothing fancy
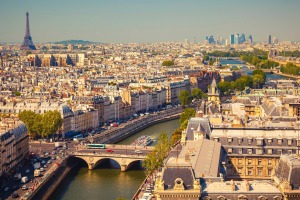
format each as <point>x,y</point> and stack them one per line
<point>290,53</point>
<point>258,58</point>
<point>255,81</point>
<point>155,159</point>
<point>41,125</point>
<point>184,119</point>
<point>290,68</point>
<point>185,97</point>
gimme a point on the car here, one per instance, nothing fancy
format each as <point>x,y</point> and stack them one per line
<point>54,148</point>
<point>138,151</point>
<point>24,187</point>
<point>109,150</point>
<point>27,171</point>
<point>60,151</point>
<point>43,162</point>
<point>15,195</point>
<point>53,152</point>
<point>45,166</point>
<point>6,189</point>
<point>42,169</point>
<point>49,162</point>
<point>46,154</point>
<point>53,158</point>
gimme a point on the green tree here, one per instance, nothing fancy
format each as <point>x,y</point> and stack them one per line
<point>17,93</point>
<point>28,117</point>
<point>176,135</point>
<point>184,97</point>
<point>225,87</point>
<point>198,93</point>
<point>258,80</point>
<point>168,63</point>
<point>187,114</point>
<point>51,121</point>
<point>155,159</point>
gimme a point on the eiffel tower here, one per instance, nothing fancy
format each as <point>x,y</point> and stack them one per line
<point>27,43</point>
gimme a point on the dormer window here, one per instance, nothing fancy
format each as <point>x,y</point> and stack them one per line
<point>259,141</point>
<point>229,140</point>
<point>290,142</point>
<point>240,140</point>
<point>249,141</point>
<point>279,141</point>
<point>270,140</point>
<point>249,151</point>
<point>216,139</point>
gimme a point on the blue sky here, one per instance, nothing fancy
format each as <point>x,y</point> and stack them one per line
<point>148,20</point>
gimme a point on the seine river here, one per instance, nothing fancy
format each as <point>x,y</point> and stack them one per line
<point>106,183</point>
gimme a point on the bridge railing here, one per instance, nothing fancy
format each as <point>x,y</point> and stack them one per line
<point>108,155</point>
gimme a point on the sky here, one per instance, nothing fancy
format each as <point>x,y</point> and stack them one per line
<point>124,21</point>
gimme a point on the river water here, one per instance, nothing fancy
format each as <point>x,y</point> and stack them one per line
<point>105,183</point>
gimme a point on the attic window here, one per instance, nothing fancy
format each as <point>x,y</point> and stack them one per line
<point>279,141</point>
<point>229,140</point>
<point>290,142</point>
<point>269,140</point>
<point>249,141</point>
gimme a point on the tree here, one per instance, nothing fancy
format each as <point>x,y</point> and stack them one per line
<point>17,93</point>
<point>184,97</point>
<point>187,114</point>
<point>225,87</point>
<point>28,117</point>
<point>198,93</point>
<point>258,80</point>
<point>155,159</point>
<point>51,121</point>
<point>176,135</point>
<point>168,63</point>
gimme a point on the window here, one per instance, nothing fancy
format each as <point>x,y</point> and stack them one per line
<point>249,171</point>
<point>269,171</point>
<point>289,142</point>
<point>239,161</point>
<point>249,151</point>
<point>269,161</point>
<point>240,140</point>
<point>270,151</point>
<point>269,141</point>
<point>229,140</point>
<point>259,151</point>
<point>249,141</point>
<point>279,141</point>
<point>259,141</point>
<point>259,171</point>
<point>259,161</point>
<point>229,150</point>
<point>279,151</point>
<point>240,170</point>
<point>249,161</point>
<point>216,139</point>
<point>240,151</point>
<point>290,151</point>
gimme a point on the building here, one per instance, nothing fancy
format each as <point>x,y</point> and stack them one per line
<point>14,144</point>
<point>232,39</point>
<point>269,39</point>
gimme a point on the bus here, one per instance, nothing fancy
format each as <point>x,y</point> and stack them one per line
<point>77,138</point>
<point>95,146</point>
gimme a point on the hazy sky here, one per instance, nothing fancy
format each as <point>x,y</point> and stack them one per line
<point>148,20</point>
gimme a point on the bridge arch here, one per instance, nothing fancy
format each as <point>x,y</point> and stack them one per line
<point>133,163</point>
<point>100,160</point>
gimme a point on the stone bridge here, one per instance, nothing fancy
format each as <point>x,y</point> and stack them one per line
<point>124,160</point>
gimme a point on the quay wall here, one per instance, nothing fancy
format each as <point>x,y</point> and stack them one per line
<point>45,190</point>
<point>124,131</point>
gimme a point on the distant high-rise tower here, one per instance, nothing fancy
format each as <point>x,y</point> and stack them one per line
<point>231,39</point>
<point>269,39</point>
<point>250,39</point>
<point>27,43</point>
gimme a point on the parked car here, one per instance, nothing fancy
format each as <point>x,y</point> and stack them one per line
<point>42,169</point>
<point>24,187</point>
<point>27,171</point>
<point>109,150</point>
<point>49,162</point>
<point>15,195</point>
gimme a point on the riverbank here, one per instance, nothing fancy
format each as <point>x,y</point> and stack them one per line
<point>116,134</point>
<point>55,181</point>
